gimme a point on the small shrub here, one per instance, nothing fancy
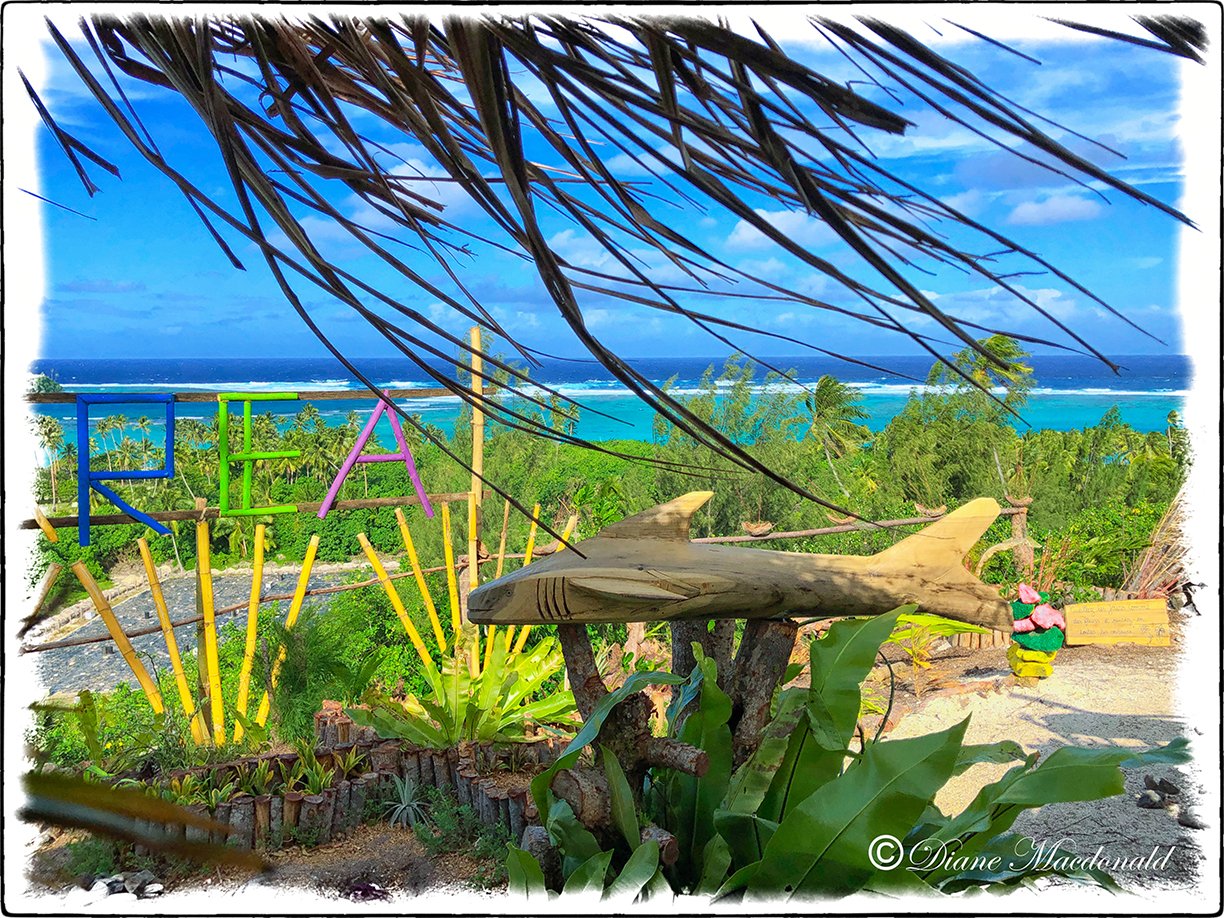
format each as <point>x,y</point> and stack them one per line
<point>455,828</point>
<point>407,805</point>
<point>96,857</point>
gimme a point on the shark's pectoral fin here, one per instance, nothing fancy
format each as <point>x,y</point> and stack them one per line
<point>622,589</point>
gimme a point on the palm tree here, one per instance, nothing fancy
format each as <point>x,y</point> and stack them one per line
<point>714,117</point>
<point>145,426</point>
<point>51,439</point>
<point>102,428</point>
<point>833,420</point>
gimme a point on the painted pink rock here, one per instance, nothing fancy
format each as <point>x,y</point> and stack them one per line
<point>1028,594</point>
<point>1046,616</point>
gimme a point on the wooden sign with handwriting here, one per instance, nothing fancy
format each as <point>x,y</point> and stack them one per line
<point>1123,621</point>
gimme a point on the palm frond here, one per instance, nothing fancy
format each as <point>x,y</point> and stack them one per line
<point>720,121</point>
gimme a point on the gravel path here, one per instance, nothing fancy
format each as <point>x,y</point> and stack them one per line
<point>91,667</point>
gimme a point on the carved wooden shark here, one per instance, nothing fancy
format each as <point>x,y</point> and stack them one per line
<point>644,568</point>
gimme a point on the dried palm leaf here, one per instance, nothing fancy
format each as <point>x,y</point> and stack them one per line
<point>718,120</point>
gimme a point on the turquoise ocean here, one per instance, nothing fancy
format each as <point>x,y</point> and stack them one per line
<point>1069,391</point>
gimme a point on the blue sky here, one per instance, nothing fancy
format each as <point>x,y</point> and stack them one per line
<point>144,279</point>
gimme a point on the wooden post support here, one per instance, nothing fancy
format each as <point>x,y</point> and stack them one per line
<point>120,639</point>
<point>1022,552</point>
<point>198,735</point>
<point>252,630</point>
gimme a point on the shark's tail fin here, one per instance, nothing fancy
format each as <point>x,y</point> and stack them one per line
<point>936,555</point>
<point>947,540</point>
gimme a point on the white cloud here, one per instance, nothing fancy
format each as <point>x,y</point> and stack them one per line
<point>805,230</point>
<point>996,306</point>
<point>1059,208</point>
<point>579,249</point>
<point>970,203</point>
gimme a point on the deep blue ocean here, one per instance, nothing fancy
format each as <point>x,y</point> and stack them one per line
<point>1069,392</point>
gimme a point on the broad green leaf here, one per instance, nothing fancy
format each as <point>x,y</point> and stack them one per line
<point>683,698</point>
<point>589,877</point>
<point>492,677</point>
<point>1069,774</point>
<point>624,812</point>
<point>554,706</point>
<point>256,733</point>
<point>739,880</point>
<point>841,660</point>
<point>715,863</point>
<point>1009,859</point>
<point>572,838</point>
<point>823,844</point>
<point>1002,751</point>
<point>638,871</point>
<point>86,712</point>
<point>657,889</point>
<point>524,875</point>
<point>694,800</point>
<point>1175,752</point>
<point>933,625</point>
<point>746,835</point>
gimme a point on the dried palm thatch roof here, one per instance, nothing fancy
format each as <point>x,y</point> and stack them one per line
<point>1160,569</point>
<point>718,119</point>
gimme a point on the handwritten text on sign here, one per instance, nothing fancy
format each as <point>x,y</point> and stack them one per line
<point>1123,621</point>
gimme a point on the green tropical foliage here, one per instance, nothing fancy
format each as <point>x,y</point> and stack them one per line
<point>803,815</point>
<point>499,703</point>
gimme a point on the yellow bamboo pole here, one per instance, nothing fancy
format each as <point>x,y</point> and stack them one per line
<point>474,496</point>
<point>216,704</point>
<point>501,548</point>
<point>295,607</point>
<point>419,577</point>
<point>501,559</point>
<point>531,536</point>
<point>252,629</point>
<point>45,525</point>
<point>198,735</point>
<point>565,534</point>
<point>117,635</point>
<point>448,558</point>
<point>44,590</point>
<point>381,573</point>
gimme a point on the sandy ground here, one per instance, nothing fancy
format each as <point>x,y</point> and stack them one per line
<point>1098,696</point>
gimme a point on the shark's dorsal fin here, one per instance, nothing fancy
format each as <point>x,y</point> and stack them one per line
<point>946,541</point>
<point>666,521</point>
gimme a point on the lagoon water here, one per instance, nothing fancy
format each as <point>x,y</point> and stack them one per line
<point>1070,391</point>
